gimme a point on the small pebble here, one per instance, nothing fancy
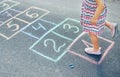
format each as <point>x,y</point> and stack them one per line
<point>71,66</point>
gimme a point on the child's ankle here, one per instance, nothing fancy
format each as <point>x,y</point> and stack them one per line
<point>96,49</point>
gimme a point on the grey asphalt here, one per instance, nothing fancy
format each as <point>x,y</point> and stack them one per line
<point>43,38</point>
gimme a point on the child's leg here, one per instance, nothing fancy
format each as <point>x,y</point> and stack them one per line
<point>112,27</point>
<point>95,41</point>
<point>95,50</point>
<point>108,24</point>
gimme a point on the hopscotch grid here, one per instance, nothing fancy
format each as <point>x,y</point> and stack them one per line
<point>53,28</point>
<point>87,58</point>
<point>23,20</point>
<point>42,37</point>
<point>59,57</point>
<point>22,13</point>
<point>48,33</point>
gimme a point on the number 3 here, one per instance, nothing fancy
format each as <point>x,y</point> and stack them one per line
<point>70,27</point>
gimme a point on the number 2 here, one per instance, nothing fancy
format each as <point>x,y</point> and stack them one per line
<point>54,45</point>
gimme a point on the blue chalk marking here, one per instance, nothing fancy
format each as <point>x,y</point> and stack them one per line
<point>30,34</point>
<point>61,55</point>
<point>34,35</point>
<point>48,21</point>
<point>49,58</point>
<point>43,55</point>
<point>62,36</point>
<point>40,26</point>
<point>30,24</point>
<point>15,10</point>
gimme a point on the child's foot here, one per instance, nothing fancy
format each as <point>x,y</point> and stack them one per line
<point>91,51</point>
<point>114,29</point>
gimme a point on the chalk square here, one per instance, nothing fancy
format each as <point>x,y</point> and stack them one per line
<point>78,45</point>
<point>39,28</point>
<point>32,14</point>
<point>69,28</point>
<point>11,28</point>
<point>51,47</point>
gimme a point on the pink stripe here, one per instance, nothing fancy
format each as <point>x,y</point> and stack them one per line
<point>88,10</point>
<point>92,5</point>
<point>91,25</point>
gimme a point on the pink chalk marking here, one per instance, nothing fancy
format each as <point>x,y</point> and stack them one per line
<point>107,50</point>
<point>86,43</point>
<point>86,58</point>
<point>75,40</point>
